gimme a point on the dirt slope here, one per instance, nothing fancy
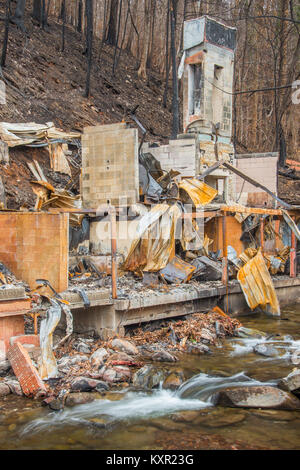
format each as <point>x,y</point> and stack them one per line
<point>45,84</point>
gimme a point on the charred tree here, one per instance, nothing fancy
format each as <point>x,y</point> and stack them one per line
<point>111,37</point>
<point>37,10</point>
<point>89,44</point>
<point>175,95</point>
<point>63,16</point>
<point>18,17</point>
<point>79,19</point>
<point>6,31</point>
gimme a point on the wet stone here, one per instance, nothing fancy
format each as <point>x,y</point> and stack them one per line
<point>163,356</point>
<point>267,350</point>
<point>81,398</point>
<point>147,377</point>
<point>125,346</point>
<point>291,382</point>
<point>84,384</point>
<point>98,357</point>
<point>174,380</point>
<point>218,418</point>
<point>275,415</point>
<point>4,389</point>
<point>4,368</point>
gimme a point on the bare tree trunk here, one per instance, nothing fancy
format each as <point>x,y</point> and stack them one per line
<point>6,31</point>
<point>167,57</point>
<point>37,10</point>
<point>79,19</point>
<point>63,14</point>
<point>111,37</point>
<point>89,32</point>
<point>117,37</point>
<point>18,17</point>
<point>142,72</point>
<point>175,97</point>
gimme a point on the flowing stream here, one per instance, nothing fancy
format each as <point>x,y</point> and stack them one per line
<point>161,419</point>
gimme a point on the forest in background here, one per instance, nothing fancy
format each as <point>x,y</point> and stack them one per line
<point>267,55</point>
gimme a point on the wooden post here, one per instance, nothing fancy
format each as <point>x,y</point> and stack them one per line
<point>113,227</point>
<point>293,255</point>
<point>224,261</point>
<point>262,234</point>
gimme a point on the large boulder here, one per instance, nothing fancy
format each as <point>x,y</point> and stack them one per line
<point>115,374</point>
<point>4,367</point>
<point>85,384</point>
<point>147,377</point>
<point>98,356</point>
<point>174,380</point>
<point>81,398</point>
<point>243,332</point>
<point>260,396</point>
<point>4,389</point>
<point>291,382</point>
<point>125,346</point>
<point>163,356</point>
<point>198,348</point>
<point>265,349</point>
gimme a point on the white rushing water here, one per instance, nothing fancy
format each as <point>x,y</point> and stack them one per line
<point>194,394</point>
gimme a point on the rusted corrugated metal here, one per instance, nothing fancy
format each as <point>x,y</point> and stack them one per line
<point>154,245</point>
<point>257,285</point>
<point>199,192</point>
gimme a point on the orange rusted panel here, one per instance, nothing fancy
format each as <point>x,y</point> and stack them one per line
<point>257,285</point>
<point>196,58</point>
<point>199,192</point>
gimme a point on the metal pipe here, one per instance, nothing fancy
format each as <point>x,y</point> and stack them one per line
<point>113,231</point>
<point>225,260</point>
<point>262,239</point>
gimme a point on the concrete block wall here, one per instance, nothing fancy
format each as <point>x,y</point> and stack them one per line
<point>110,173</point>
<point>35,245</point>
<point>262,167</point>
<point>216,105</point>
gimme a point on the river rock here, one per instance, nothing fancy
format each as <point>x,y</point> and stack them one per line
<point>243,332</point>
<point>82,347</point>
<point>4,367</point>
<point>98,356</point>
<point>4,389</point>
<point>163,356</point>
<point>174,380</point>
<point>187,416</point>
<point>198,348</point>
<point>261,396</point>
<point>121,357</point>
<point>67,361</point>
<point>125,346</point>
<point>84,384</point>
<point>291,382</point>
<point>14,386</point>
<point>265,349</point>
<point>115,374</point>
<point>219,418</point>
<point>56,404</point>
<point>207,336</point>
<point>147,377</point>
<point>275,415</point>
<point>81,398</point>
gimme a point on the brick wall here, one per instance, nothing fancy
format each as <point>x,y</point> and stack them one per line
<point>35,245</point>
<point>263,169</point>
